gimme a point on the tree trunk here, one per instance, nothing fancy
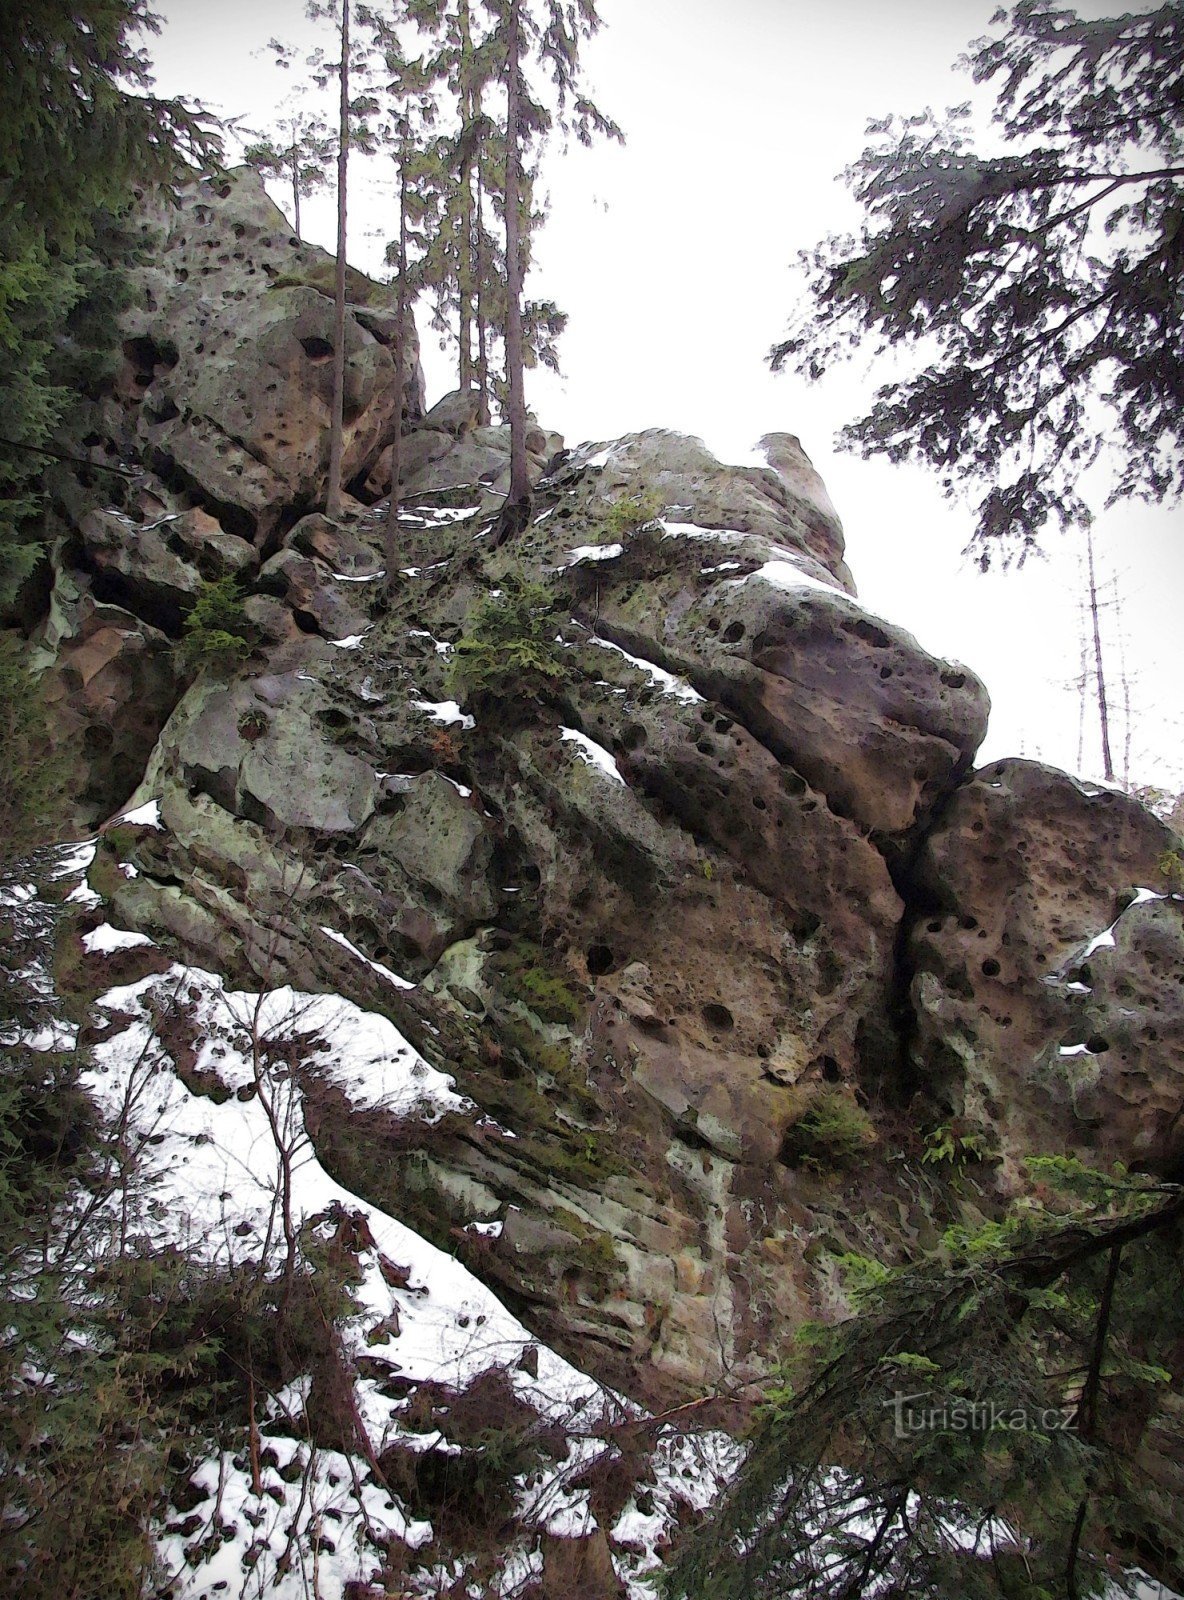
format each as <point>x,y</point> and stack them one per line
<point>464,283</point>
<point>392,516</point>
<point>516,510</point>
<point>1103,708</point>
<point>337,418</point>
<point>296,195</point>
<point>483,412</point>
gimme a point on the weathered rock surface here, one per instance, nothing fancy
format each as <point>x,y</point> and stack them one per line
<point>228,357</point>
<point>651,921</point>
<point>109,688</point>
<point>1033,1025</point>
<point>159,567</point>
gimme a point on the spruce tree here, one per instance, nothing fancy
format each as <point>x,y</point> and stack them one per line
<point>406,88</point>
<point>1041,288</point>
<point>81,127</point>
<point>538,49</point>
<point>299,150</point>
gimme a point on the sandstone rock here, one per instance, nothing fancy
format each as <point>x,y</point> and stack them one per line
<point>808,496</point>
<point>456,413</point>
<point>158,568</point>
<point>440,840</point>
<point>319,600</point>
<point>109,691</point>
<point>228,369</point>
<point>847,702</point>
<point>1023,1029</point>
<point>335,545</point>
<point>416,451</point>
<point>697,489</point>
<point>263,750</point>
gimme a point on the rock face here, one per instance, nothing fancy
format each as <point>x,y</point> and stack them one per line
<point>110,685</point>
<point>1046,988</point>
<point>703,911</point>
<point>733,868</point>
<point>227,376</point>
<point>726,879</point>
<point>650,923</point>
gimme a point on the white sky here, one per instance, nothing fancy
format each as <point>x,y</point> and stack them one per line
<point>672,258</point>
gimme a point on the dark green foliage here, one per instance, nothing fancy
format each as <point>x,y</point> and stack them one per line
<point>509,652</point>
<point>1043,288</point>
<point>35,784</point>
<point>74,141</point>
<point>218,633</point>
<point>629,513</point>
<point>79,124</point>
<point>974,1430</point>
<point>834,1131</point>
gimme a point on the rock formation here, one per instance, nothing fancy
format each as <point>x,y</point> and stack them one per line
<point>733,867</point>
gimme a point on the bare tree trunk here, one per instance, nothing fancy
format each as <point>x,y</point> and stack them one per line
<point>296,194</point>
<point>1082,679</point>
<point>1103,708</point>
<point>483,412</point>
<point>337,418</point>
<point>392,516</point>
<point>515,513</point>
<point>464,284</point>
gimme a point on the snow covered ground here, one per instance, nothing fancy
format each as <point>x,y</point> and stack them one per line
<point>196,1083</point>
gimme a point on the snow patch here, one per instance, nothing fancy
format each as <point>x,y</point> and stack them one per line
<point>593,754</point>
<point>145,816</point>
<point>375,966</point>
<point>101,941</point>
<point>593,552</point>
<point>446,711</point>
<point>659,678</point>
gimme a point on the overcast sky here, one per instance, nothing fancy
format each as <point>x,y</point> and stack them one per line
<point>672,257</point>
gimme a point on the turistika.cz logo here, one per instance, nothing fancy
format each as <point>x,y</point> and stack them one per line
<point>975,1416</point>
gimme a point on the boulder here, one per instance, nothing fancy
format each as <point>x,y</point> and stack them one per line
<point>440,840</point>
<point>108,691</point>
<point>1033,1023</point>
<point>699,490</point>
<point>416,451</point>
<point>729,589</point>
<point>157,568</point>
<point>227,372</point>
<point>320,600</point>
<point>263,750</point>
<point>456,413</point>
<point>336,546</point>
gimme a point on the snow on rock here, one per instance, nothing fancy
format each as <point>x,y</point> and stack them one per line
<point>691,530</point>
<point>210,1179</point>
<point>788,575</point>
<point>1105,939</point>
<point>205,1085</point>
<point>446,711</point>
<point>145,816</point>
<point>441,646</point>
<point>594,455</point>
<point>593,754</point>
<point>594,552</point>
<point>104,939</point>
<point>669,684</point>
<point>83,895</point>
<point>352,642</point>
<point>375,966</point>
